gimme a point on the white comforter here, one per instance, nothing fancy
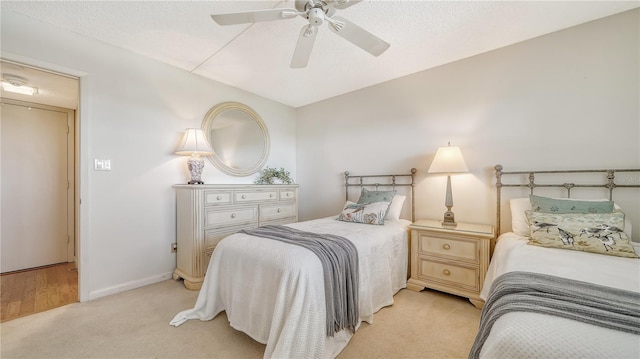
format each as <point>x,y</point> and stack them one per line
<point>274,292</point>
<point>530,335</point>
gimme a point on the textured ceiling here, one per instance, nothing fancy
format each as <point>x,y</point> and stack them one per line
<point>256,58</point>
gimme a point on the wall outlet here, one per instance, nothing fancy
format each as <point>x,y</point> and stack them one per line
<point>174,247</point>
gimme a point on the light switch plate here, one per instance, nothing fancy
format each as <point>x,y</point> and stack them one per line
<point>102,165</point>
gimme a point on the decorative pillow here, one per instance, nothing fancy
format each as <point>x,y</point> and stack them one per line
<point>396,207</point>
<point>367,196</point>
<point>593,232</point>
<point>520,224</point>
<point>372,213</point>
<point>554,205</point>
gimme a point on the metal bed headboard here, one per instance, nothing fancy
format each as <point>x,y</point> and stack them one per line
<point>609,184</point>
<point>362,181</point>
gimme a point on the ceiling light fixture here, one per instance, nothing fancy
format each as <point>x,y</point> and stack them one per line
<point>18,84</point>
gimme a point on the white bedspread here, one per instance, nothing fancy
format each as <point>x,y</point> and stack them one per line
<point>530,335</point>
<point>274,292</point>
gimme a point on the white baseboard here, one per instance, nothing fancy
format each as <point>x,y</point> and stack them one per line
<point>129,285</point>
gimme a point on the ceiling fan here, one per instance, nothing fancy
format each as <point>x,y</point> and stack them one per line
<point>316,12</point>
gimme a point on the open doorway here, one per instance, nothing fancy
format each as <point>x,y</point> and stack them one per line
<point>38,190</point>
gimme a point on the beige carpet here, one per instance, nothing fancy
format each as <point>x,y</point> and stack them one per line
<point>134,324</point>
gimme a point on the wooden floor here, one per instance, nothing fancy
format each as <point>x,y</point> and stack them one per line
<point>36,290</point>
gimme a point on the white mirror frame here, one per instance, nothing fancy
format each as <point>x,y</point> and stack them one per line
<point>207,124</point>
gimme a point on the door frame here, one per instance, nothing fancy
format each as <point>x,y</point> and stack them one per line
<point>82,188</point>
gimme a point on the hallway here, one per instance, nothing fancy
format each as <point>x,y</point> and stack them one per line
<point>38,289</point>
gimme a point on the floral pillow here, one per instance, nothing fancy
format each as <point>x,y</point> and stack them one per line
<point>372,213</point>
<point>593,232</point>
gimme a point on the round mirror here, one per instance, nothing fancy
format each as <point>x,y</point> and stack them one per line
<point>239,138</point>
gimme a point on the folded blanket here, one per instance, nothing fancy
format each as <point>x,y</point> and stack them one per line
<point>339,259</point>
<point>539,293</point>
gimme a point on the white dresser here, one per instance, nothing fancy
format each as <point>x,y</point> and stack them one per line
<point>207,213</point>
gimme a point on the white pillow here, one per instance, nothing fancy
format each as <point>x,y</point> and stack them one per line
<point>520,225</point>
<point>396,207</point>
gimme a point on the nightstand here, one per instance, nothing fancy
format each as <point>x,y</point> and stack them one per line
<point>450,259</point>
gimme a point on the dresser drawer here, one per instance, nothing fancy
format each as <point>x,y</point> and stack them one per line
<point>230,216</point>
<point>282,210</point>
<point>213,236</point>
<point>456,276</point>
<point>451,247</point>
<point>255,196</point>
<point>212,197</point>
<point>287,195</point>
<point>278,221</point>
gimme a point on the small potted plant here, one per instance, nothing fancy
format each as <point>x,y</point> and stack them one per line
<point>270,175</point>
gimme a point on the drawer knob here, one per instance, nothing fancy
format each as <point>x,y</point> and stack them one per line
<point>233,215</point>
<point>244,196</point>
<point>288,194</point>
<point>219,198</point>
<point>446,246</point>
<point>278,210</point>
<point>270,194</point>
<point>446,272</point>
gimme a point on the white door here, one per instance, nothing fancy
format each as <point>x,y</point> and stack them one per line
<point>37,193</point>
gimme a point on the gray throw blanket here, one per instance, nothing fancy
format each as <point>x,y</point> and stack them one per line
<point>339,259</point>
<point>539,293</point>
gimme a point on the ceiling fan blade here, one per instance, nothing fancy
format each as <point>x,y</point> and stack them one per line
<point>247,17</point>
<point>358,36</point>
<point>303,47</point>
<point>343,4</point>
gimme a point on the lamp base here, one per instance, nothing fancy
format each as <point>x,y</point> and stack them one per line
<point>195,164</point>
<point>449,219</point>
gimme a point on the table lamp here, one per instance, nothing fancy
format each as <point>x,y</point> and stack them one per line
<point>448,160</point>
<point>194,144</point>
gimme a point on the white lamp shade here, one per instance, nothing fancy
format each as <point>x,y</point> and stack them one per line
<point>194,141</point>
<point>448,160</point>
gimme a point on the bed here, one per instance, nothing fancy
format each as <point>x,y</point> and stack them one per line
<point>274,291</point>
<point>602,289</point>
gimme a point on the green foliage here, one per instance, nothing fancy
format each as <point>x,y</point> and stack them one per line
<point>268,175</point>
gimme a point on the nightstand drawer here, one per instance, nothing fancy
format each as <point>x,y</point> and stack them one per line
<point>451,247</point>
<point>462,277</point>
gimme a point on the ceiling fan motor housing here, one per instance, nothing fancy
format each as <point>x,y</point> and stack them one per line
<point>316,16</point>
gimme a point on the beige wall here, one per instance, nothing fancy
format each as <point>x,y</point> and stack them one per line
<point>568,100</point>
